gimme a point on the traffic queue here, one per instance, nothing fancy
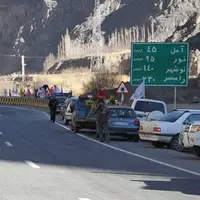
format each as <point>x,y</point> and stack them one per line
<point>145,119</point>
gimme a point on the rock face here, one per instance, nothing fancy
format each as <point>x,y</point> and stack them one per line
<point>34,28</point>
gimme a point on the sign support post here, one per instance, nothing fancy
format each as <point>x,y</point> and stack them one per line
<point>122,90</point>
<point>122,98</point>
<point>175,93</point>
<point>144,87</point>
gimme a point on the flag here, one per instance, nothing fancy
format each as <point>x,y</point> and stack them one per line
<point>51,90</point>
<point>102,93</point>
<point>139,92</point>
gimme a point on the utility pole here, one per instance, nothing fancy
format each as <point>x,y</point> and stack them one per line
<point>96,38</point>
<point>23,69</point>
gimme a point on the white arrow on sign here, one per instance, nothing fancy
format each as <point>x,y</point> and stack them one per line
<point>122,89</point>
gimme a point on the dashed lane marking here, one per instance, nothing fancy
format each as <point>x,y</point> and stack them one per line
<point>31,164</point>
<point>83,199</point>
<point>8,144</point>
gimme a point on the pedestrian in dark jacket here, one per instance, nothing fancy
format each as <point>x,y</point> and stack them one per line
<point>102,113</point>
<point>52,108</point>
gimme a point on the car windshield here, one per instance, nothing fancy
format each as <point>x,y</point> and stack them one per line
<point>148,106</point>
<point>171,117</point>
<point>122,112</point>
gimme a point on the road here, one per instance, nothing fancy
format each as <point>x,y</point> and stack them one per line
<point>41,160</point>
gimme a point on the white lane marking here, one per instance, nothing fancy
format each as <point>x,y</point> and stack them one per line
<point>134,154</point>
<point>59,123</point>
<point>31,164</point>
<point>127,152</point>
<point>1,133</point>
<point>83,199</point>
<point>8,144</point>
<point>143,157</point>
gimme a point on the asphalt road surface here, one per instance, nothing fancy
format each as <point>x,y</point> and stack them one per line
<point>40,160</point>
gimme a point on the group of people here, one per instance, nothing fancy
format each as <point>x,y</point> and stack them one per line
<point>102,115</point>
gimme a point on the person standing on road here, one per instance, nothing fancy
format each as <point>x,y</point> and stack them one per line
<point>52,107</point>
<point>102,113</point>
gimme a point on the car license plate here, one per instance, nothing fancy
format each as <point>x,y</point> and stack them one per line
<point>147,135</point>
<point>121,123</point>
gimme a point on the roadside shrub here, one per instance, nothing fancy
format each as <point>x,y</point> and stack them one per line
<point>101,78</point>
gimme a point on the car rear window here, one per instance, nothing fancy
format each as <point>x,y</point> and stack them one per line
<point>81,103</point>
<point>124,113</point>
<point>147,106</point>
<point>171,117</point>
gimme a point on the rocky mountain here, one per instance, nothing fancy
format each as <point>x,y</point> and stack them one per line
<point>34,28</point>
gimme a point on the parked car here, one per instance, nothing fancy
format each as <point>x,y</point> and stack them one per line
<point>124,122</point>
<point>63,108</point>
<point>190,138</point>
<point>81,117</point>
<point>69,109</point>
<point>166,130</point>
<point>61,100</point>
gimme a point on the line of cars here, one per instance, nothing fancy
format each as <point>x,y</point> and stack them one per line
<point>123,120</point>
<point>178,130</point>
<point>146,120</point>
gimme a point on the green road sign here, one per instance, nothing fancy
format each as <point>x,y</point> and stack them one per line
<point>160,64</point>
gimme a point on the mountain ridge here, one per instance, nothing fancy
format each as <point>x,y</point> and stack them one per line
<point>43,24</point>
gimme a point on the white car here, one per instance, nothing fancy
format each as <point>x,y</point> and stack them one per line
<point>190,138</point>
<point>166,130</point>
<point>68,112</point>
<point>143,107</point>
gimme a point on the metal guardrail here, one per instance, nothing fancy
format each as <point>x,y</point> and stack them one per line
<point>24,101</point>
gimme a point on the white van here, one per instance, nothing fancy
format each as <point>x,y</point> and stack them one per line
<point>143,107</point>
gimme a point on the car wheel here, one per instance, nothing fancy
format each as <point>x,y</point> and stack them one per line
<point>174,144</point>
<point>72,127</point>
<point>158,144</point>
<point>66,122</point>
<point>197,150</point>
<point>76,129</point>
<point>134,138</point>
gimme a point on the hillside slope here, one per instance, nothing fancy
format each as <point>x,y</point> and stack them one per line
<point>34,28</point>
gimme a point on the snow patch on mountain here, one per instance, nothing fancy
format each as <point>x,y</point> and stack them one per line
<point>50,5</point>
<point>18,35</point>
<point>106,8</point>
